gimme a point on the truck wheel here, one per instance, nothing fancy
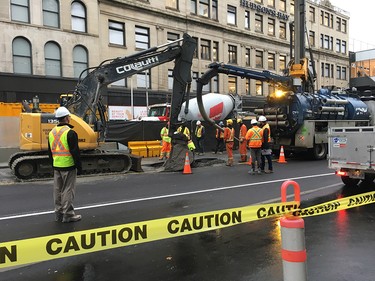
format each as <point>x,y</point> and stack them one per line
<point>349,181</point>
<point>319,151</point>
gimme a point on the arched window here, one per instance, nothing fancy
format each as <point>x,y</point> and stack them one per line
<point>78,11</point>
<point>22,62</point>
<point>20,10</point>
<point>52,58</point>
<point>80,61</point>
<point>51,13</point>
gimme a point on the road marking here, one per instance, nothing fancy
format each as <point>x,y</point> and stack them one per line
<point>179,194</point>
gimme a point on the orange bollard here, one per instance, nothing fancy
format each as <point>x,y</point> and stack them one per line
<point>187,168</point>
<point>250,161</point>
<point>282,156</point>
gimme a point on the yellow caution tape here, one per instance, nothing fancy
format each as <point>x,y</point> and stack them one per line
<point>82,242</point>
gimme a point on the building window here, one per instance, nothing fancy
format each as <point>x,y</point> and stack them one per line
<point>116,33</point>
<point>215,51</point>
<point>343,47</point>
<point>80,61</point>
<point>205,49</point>
<point>206,87</point>
<point>338,45</point>
<point>22,62</point>
<point>259,59</point>
<point>194,81</point>
<point>247,87</point>
<point>144,79</point>
<point>247,19</point>
<point>173,4</point>
<point>51,13</point>
<point>78,11</point>
<point>193,6</point>
<point>170,79</point>
<point>343,26</point>
<point>271,61</point>
<point>247,57</point>
<point>312,38</point>
<point>338,72</point>
<point>232,54</point>
<point>322,69</point>
<point>232,84</point>
<point>258,23</point>
<point>282,5</point>
<point>271,3</point>
<point>282,63</point>
<point>142,38</point>
<point>52,58</point>
<point>173,37</point>
<point>195,55</point>
<point>312,14</point>
<point>343,73</point>
<point>282,30</point>
<point>271,27</point>
<point>291,9</point>
<point>326,42</point>
<point>338,24</point>
<point>259,88</point>
<point>204,8</point>
<point>231,15</point>
<point>214,10</point>
<point>20,10</point>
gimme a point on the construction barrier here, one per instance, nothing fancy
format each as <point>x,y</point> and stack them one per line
<point>14,253</point>
<point>145,148</point>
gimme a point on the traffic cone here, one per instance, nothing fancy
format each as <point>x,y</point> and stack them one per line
<point>250,161</point>
<point>187,168</point>
<point>282,156</point>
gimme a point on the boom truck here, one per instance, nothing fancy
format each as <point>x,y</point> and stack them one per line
<point>298,115</point>
<point>88,113</point>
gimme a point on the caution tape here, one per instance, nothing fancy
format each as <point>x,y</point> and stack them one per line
<point>50,247</point>
<point>45,248</point>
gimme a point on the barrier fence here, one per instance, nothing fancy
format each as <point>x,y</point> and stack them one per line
<point>31,250</point>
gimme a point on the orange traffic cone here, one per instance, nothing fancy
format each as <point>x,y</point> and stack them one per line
<point>187,168</point>
<point>282,156</point>
<point>250,161</point>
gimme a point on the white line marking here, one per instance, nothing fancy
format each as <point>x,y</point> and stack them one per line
<point>175,195</point>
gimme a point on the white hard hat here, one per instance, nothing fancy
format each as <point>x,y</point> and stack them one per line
<point>253,121</point>
<point>62,112</point>
<point>262,118</point>
<point>198,122</point>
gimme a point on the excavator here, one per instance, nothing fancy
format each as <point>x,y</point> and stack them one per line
<point>88,113</point>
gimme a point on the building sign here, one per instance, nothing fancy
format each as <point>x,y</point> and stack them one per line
<point>264,10</point>
<point>125,112</point>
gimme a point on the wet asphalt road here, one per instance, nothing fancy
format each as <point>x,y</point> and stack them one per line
<point>339,245</point>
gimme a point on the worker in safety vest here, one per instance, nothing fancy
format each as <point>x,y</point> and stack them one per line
<point>254,138</point>
<point>166,142</point>
<point>183,129</point>
<point>64,152</point>
<point>219,139</point>
<point>242,140</point>
<point>199,137</point>
<point>229,141</point>
<point>266,147</point>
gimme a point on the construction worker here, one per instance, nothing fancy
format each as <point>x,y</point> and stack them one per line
<point>266,148</point>
<point>219,139</point>
<point>166,142</point>
<point>184,130</point>
<point>199,136</point>
<point>254,138</point>
<point>229,141</point>
<point>242,140</point>
<point>64,153</point>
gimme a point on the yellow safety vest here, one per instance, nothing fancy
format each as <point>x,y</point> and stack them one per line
<point>164,134</point>
<point>198,131</point>
<point>58,141</point>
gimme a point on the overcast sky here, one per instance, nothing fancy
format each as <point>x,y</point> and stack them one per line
<point>361,23</point>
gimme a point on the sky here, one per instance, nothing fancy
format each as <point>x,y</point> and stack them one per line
<point>361,27</point>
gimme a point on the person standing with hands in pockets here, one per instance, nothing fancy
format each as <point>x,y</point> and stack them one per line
<point>64,152</point>
<point>266,148</point>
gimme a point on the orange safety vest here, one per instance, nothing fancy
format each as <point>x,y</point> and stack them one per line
<point>228,134</point>
<point>219,134</point>
<point>254,136</point>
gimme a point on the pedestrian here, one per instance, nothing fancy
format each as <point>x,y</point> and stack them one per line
<point>166,142</point>
<point>242,140</point>
<point>266,147</point>
<point>199,137</point>
<point>64,153</point>
<point>254,137</point>
<point>219,139</point>
<point>229,141</point>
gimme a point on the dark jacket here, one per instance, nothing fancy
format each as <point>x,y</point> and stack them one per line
<point>72,138</point>
<point>265,143</point>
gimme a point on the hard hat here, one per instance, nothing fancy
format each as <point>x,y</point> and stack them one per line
<point>253,121</point>
<point>239,120</point>
<point>262,118</point>
<point>198,123</point>
<point>221,123</point>
<point>229,122</point>
<point>62,112</point>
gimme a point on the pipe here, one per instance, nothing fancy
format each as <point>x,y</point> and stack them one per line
<point>333,101</point>
<point>279,123</point>
<point>331,109</point>
<point>277,117</point>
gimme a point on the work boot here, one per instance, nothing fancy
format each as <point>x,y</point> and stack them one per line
<point>58,217</point>
<point>73,218</point>
<point>251,172</point>
<point>259,172</point>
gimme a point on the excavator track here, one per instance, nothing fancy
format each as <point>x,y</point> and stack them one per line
<point>37,166</point>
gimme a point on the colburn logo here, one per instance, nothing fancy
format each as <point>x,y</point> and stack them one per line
<point>136,66</point>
